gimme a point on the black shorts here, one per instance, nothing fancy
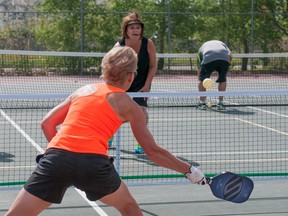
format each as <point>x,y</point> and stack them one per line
<point>141,101</point>
<point>220,66</point>
<point>59,169</point>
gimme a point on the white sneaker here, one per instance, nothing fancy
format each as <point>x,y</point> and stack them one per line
<point>202,106</point>
<point>221,107</point>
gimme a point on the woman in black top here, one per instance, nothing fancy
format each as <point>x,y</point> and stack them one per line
<point>132,32</point>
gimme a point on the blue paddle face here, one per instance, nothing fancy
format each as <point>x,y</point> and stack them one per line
<point>231,187</point>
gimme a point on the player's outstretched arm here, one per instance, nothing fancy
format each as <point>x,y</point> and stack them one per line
<point>159,155</point>
<point>129,111</point>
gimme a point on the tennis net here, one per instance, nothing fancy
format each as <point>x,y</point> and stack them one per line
<point>249,138</point>
<point>30,72</point>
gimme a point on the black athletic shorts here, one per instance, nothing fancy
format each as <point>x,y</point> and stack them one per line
<point>59,169</point>
<point>220,66</point>
<point>141,101</point>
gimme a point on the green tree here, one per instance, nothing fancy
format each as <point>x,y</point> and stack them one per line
<point>174,25</point>
<point>59,26</point>
<point>18,35</point>
<point>235,23</point>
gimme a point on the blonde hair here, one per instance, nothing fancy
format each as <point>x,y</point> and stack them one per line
<point>132,18</point>
<point>118,63</point>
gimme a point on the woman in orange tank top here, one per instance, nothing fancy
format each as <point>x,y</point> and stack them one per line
<point>77,154</point>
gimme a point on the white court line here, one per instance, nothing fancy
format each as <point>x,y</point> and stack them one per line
<point>125,156</point>
<point>243,160</point>
<point>23,133</point>
<point>262,126</point>
<point>261,110</point>
<point>17,167</point>
<point>186,119</point>
<point>266,111</point>
<point>212,153</point>
<point>224,161</point>
<point>92,204</point>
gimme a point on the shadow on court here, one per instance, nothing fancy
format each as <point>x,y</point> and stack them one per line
<point>144,159</point>
<point>234,111</point>
<point>6,157</point>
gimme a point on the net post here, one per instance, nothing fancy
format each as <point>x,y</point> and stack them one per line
<point>118,150</point>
